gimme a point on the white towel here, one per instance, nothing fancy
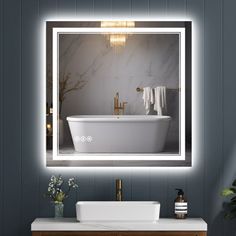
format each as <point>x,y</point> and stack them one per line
<point>148,98</point>
<point>160,100</point>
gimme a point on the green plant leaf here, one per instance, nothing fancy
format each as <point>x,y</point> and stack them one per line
<point>231,214</point>
<point>233,189</point>
<point>60,197</point>
<point>234,183</point>
<point>228,191</point>
<point>233,198</point>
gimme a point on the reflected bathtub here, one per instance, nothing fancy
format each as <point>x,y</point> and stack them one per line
<point>119,134</point>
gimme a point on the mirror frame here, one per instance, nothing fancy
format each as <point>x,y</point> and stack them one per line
<point>139,160</point>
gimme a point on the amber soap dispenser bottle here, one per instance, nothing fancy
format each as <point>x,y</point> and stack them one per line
<point>181,205</point>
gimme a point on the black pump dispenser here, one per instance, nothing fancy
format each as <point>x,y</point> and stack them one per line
<point>181,205</point>
<point>180,191</point>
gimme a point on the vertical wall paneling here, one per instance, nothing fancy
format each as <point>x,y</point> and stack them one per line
<point>157,9</point>
<point>1,116</point>
<point>84,8</point>
<point>139,8</point>
<point>121,8</point>
<point>102,8</point>
<point>23,179</point>
<point>229,88</point>
<point>47,10</point>
<point>67,8</point>
<point>195,11</point>
<point>30,173</point>
<point>158,190</point>
<point>176,10</point>
<point>12,118</point>
<point>103,186</point>
<point>86,191</point>
<point>213,113</point>
<point>140,184</point>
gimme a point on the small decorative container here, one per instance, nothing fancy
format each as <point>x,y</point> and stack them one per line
<point>59,209</point>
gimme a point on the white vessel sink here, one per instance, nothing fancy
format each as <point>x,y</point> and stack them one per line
<point>112,211</point>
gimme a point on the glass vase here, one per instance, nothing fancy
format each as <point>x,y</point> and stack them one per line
<point>59,208</point>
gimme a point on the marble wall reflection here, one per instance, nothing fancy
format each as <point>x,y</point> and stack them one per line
<point>146,60</point>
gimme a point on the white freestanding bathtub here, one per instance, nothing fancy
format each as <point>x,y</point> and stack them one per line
<point>119,134</point>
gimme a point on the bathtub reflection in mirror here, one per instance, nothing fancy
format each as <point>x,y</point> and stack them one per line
<point>118,96</point>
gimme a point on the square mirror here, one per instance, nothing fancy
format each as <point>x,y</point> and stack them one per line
<point>118,93</point>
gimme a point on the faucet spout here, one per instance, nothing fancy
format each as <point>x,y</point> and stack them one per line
<point>119,108</point>
<point>118,190</point>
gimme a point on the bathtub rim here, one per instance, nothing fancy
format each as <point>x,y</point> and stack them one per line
<point>116,118</point>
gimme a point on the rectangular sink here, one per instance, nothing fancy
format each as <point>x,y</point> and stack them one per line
<point>112,211</point>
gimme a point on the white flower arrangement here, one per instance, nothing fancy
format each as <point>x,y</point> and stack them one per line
<point>55,192</point>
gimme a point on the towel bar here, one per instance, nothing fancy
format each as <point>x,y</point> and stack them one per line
<point>138,89</point>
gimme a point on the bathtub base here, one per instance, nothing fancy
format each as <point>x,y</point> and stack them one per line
<point>119,135</point>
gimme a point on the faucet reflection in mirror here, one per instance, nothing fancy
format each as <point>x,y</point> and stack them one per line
<point>119,108</point>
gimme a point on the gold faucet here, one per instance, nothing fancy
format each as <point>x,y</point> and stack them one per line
<point>118,190</point>
<point>119,108</point>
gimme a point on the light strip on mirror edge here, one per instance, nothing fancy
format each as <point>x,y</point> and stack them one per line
<point>195,87</point>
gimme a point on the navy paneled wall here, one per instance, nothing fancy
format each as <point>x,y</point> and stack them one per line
<point>23,175</point>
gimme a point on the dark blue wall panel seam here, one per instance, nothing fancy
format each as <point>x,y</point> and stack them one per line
<point>93,7</point>
<point>185,9</point>
<point>2,117</point>
<point>39,10</point>
<point>21,135</point>
<point>167,6</point>
<point>222,86</point>
<point>204,109</point>
<point>213,92</point>
<point>131,8</point>
<point>222,93</point>
<point>57,6</point>
<point>39,20</point>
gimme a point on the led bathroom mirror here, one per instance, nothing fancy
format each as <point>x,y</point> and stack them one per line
<point>118,93</point>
